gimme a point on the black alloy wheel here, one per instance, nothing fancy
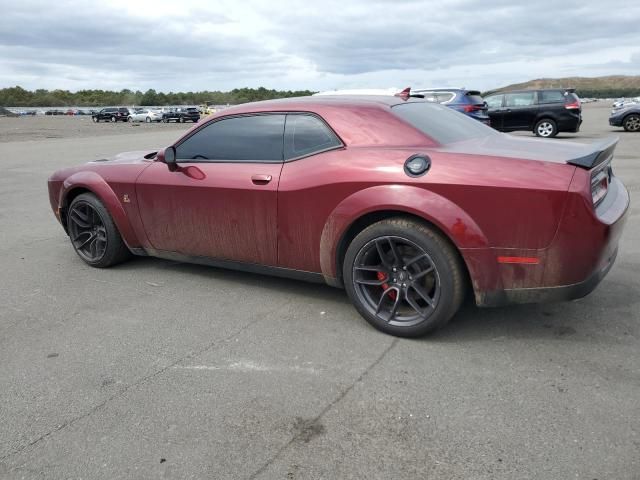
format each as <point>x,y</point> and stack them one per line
<point>94,236</point>
<point>396,280</point>
<point>87,231</point>
<point>403,277</point>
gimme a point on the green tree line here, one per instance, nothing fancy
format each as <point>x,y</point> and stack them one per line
<point>19,97</point>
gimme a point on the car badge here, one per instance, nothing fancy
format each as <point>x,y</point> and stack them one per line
<point>125,198</point>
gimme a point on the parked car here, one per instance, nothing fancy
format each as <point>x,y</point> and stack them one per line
<point>418,205</point>
<point>187,114</point>
<point>469,102</point>
<point>625,102</point>
<point>627,117</point>
<point>111,114</point>
<point>360,91</point>
<point>544,112</point>
<point>145,115</point>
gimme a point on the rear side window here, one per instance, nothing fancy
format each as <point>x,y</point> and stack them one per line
<point>307,134</point>
<point>256,138</point>
<point>495,101</point>
<point>571,97</point>
<point>552,96</point>
<point>441,123</point>
<point>443,97</point>
<point>475,97</point>
<point>523,99</point>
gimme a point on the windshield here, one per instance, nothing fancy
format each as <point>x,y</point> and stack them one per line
<point>441,123</point>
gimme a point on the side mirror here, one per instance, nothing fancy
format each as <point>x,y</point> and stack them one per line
<point>170,158</point>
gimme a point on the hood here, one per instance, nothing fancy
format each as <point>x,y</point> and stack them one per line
<point>547,150</point>
<point>137,156</point>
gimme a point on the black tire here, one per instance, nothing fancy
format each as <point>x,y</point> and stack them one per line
<point>95,119</point>
<point>545,128</point>
<point>632,123</point>
<point>437,264</point>
<point>87,214</point>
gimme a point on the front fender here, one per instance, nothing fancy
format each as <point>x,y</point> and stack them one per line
<point>449,217</point>
<point>98,186</point>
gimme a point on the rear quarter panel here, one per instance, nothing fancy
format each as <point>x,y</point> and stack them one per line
<point>479,202</point>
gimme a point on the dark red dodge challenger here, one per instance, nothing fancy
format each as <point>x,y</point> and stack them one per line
<point>405,203</point>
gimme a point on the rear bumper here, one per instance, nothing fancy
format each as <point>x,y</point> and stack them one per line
<point>569,123</point>
<point>582,253</point>
<point>549,294</point>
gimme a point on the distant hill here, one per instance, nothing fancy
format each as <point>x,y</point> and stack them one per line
<point>611,86</point>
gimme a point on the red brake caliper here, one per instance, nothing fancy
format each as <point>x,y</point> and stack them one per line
<point>383,276</point>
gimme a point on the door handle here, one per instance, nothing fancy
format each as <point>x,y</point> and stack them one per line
<point>260,179</point>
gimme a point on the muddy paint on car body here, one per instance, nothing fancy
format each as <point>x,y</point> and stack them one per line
<point>492,197</point>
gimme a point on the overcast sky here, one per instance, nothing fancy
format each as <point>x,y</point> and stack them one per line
<point>182,45</point>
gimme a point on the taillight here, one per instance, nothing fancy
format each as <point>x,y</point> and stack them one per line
<point>572,105</point>
<point>473,108</point>
<point>600,180</point>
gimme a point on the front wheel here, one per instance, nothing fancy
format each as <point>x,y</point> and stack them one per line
<point>632,123</point>
<point>95,119</point>
<point>148,120</point>
<point>546,128</point>
<point>94,236</point>
<point>403,277</point>
<point>114,119</point>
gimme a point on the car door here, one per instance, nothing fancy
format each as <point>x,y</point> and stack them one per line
<point>221,201</point>
<point>519,111</point>
<point>495,110</point>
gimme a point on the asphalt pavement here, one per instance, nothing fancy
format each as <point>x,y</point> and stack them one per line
<point>158,369</point>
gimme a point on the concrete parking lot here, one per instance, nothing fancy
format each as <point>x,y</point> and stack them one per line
<point>158,369</point>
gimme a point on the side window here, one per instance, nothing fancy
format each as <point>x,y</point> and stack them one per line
<point>306,134</point>
<point>523,99</point>
<point>430,96</point>
<point>552,96</point>
<point>494,101</point>
<point>443,97</point>
<point>255,138</point>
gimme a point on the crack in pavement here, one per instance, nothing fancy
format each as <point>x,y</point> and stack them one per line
<point>208,347</point>
<point>325,410</point>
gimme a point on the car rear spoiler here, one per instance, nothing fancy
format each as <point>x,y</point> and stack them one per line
<point>602,151</point>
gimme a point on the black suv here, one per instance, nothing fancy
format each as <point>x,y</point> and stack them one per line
<point>111,114</point>
<point>545,112</point>
<point>187,114</point>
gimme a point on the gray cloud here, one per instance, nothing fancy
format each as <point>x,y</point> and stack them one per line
<point>290,44</point>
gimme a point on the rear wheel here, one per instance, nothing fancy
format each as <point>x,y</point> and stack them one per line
<point>148,120</point>
<point>632,123</point>
<point>404,278</point>
<point>113,119</point>
<point>93,234</point>
<point>546,128</point>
